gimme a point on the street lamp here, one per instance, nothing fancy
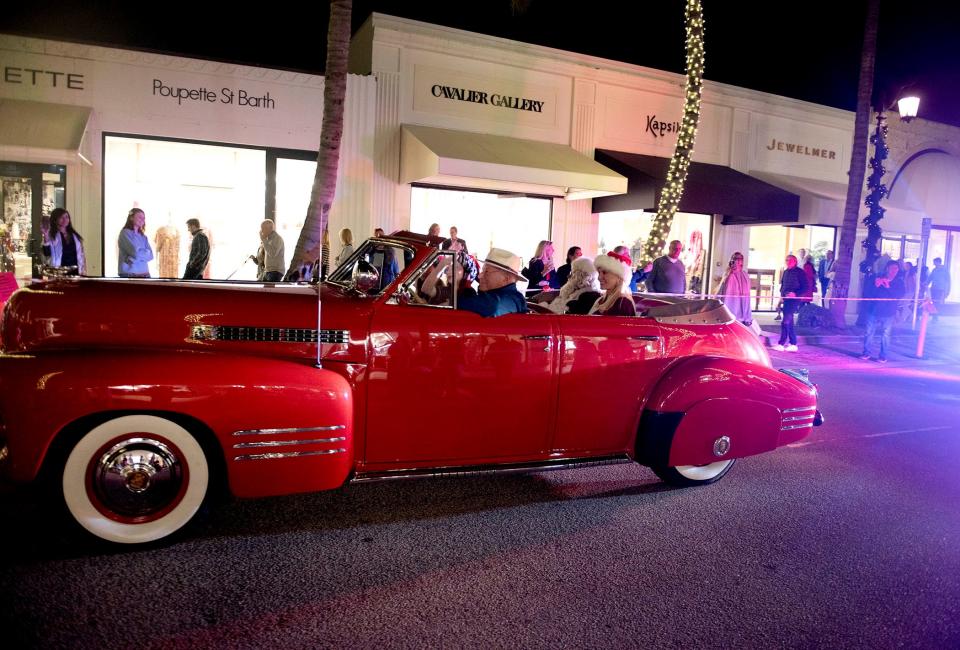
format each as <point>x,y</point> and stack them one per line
<point>907,105</point>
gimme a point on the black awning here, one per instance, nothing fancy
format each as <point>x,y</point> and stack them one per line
<point>710,189</point>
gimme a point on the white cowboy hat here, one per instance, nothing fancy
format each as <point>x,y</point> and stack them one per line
<point>505,261</point>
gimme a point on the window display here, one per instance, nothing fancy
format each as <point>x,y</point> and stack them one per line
<point>221,186</point>
<point>631,228</point>
<point>26,188</point>
<point>482,219</point>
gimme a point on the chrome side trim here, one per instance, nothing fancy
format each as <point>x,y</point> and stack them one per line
<point>480,470</point>
<point>272,432</point>
<point>289,454</point>
<point>796,426</point>
<point>286,443</point>
<point>799,417</point>
<point>800,409</point>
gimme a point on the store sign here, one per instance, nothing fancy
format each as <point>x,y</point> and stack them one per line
<point>42,78</point>
<point>801,149</point>
<point>202,94</point>
<point>482,97</point>
<point>490,97</point>
<point>659,128</point>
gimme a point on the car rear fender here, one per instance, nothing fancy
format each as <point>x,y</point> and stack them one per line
<point>282,426</point>
<point>707,409</point>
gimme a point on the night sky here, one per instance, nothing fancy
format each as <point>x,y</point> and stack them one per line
<point>806,50</point>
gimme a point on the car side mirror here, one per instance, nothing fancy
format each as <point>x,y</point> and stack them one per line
<point>365,277</point>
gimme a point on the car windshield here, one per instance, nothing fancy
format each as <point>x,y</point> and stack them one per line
<point>389,258</point>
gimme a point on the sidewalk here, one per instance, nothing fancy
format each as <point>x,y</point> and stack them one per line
<point>946,329</point>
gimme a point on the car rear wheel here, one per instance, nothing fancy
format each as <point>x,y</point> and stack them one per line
<point>690,475</point>
<point>135,479</point>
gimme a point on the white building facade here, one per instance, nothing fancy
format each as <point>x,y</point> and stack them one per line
<point>99,131</point>
<point>509,142</point>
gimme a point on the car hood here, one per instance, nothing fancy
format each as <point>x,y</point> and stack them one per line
<point>88,312</point>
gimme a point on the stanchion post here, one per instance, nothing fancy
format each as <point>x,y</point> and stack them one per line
<point>927,308</point>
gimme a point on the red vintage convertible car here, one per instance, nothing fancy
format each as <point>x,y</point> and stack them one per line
<point>137,398</point>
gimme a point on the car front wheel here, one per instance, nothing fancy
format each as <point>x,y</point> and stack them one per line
<point>135,479</point>
<point>690,475</point>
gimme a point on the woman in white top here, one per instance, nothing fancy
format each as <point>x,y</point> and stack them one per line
<point>346,241</point>
<point>735,290</point>
<point>62,245</point>
<point>135,251</point>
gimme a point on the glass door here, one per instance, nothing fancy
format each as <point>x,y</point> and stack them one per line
<point>28,194</point>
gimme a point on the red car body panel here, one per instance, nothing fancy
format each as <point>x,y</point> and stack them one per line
<point>412,386</point>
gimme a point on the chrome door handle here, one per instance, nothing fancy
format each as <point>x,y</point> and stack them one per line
<point>645,338</point>
<point>540,337</point>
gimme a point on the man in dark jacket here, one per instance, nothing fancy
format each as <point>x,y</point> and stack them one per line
<point>793,283</point>
<point>886,290</point>
<point>199,251</point>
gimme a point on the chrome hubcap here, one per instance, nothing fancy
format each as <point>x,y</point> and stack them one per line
<point>138,477</point>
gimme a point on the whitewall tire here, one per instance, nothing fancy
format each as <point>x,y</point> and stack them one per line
<point>135,479</point>
<point>690,475</point>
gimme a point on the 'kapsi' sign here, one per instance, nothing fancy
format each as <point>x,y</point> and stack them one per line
<point>483,97</point>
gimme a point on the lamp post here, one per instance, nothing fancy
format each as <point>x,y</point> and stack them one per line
<point>907,106</point>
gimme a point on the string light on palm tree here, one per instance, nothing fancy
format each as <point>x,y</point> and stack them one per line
<point>680,162</point>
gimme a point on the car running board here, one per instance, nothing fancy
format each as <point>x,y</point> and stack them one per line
<point>480,470</point>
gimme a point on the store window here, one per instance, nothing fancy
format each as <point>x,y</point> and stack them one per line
<point>484,220</point>
<point>171,182</point>
<point>631,228</point>
<point>945,244</point>
<point>769,245</point>
<point>28,193</point>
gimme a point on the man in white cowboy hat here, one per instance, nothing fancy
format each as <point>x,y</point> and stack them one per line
<point>498,293</point>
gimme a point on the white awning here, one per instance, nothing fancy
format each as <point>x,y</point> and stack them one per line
<point>495,162</point>
<point>822,203</point>
<point>42,125</point>
<point>820,189</point>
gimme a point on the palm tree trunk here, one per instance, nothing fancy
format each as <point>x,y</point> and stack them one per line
<point>858,167</point>
<point>328,157</point>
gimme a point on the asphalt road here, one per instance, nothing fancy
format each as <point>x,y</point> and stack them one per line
<point>850,538</point>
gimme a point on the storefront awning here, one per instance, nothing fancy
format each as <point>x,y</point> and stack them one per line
<point>710,189</point>
<point>42,124</point>
<point>495,162</point>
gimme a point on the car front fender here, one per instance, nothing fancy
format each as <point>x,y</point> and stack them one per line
<point>707,409</point>
<point>282,426</point>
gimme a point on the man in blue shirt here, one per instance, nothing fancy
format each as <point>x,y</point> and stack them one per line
<point>498,293</point>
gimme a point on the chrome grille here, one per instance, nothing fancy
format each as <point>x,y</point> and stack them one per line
<point>267,334</point>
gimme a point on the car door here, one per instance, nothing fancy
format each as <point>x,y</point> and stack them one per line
<point>450,387</point>
<point>607,365</point>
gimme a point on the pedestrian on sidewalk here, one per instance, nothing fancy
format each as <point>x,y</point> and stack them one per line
<point>793,284</point>
<point>939,285</point>
<point>885,292</point>
<point>735,290</point>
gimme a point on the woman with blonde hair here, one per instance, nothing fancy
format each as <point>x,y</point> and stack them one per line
<point>735,290</point>
<point>540,268</point>
<point>613,270</point>
<point>346,241</point>
<point>580,291</point>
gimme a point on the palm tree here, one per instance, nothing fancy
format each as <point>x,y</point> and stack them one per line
<point>328,157</point>
<point>858,166</point>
